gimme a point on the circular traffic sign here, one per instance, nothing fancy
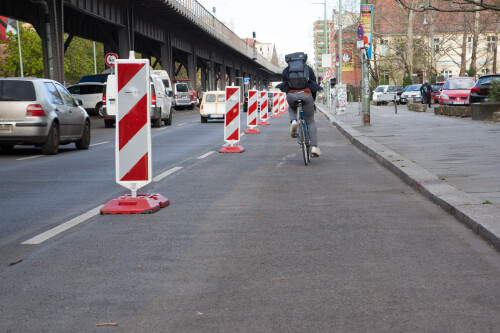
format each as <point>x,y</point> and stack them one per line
<point>360,32</point>
<point>110,59</point>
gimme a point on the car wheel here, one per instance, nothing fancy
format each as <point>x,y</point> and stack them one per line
<point>108,123</point>
<point>98,109</point>
<point>168,122</point>
<point>204,120</point>
<point>84,142</point>
<point>51,145</point>
<point>157,122</point>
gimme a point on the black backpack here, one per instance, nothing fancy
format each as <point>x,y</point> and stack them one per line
<point>298,71</point>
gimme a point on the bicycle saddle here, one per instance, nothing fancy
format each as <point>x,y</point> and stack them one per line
<point>297,102</point>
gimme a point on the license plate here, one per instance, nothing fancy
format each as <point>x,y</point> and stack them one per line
<point>5,128</point>
<point>460,102</point>
<point>216,116</point>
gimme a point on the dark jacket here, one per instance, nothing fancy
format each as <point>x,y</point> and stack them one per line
<point>426,89</point>
<point>312,84</point>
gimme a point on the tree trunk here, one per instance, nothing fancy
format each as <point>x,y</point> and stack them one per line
<point>473,63</point>
<point>463,56</point>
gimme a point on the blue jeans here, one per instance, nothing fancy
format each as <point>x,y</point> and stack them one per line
<point>308,108</point>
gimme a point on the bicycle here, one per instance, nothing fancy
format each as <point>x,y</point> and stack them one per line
<point>303,137</point>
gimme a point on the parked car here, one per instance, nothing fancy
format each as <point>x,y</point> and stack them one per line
<point>456,91</point>
<point>379,91</point>
<point>181,96</point>
<point>479,93</point>
<point>91,95</point>
<point>387,90</point>
<point>193,95</point>
<point>436,91</point>
<point>161,104</point>
<point>411,92</point>
<point>213,105</point>
<point>43,113</point>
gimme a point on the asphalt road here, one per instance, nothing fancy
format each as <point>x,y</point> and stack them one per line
<point>252,242</point>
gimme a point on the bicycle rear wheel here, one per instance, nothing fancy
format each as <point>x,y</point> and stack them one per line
<point>302,141</point>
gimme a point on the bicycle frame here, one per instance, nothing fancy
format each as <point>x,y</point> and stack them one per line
<point>303,137</point>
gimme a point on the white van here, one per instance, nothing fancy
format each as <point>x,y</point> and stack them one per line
<point>213,105</point>
<point>163,74</point>
<point>161,103</point>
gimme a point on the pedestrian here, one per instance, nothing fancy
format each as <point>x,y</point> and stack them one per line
<point>426,91</point>
<point>299,82</point>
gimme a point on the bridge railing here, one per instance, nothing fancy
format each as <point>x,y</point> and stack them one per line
<point>195,12</point>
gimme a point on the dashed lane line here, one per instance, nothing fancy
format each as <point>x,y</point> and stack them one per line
<point>63,227</point>
<point>205,155</point>
<point>166,173</point>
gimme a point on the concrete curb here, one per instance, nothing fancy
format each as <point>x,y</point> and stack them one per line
<point>482,219</point>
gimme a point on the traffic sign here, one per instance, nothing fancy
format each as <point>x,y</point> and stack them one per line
<point>110,59</point>
<point>360,32</point>
<point>246,80</point>
<point>327,74</point>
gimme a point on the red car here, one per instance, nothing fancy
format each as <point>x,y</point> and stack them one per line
<point>193,96</point>
<point>456,91</point>
<point>436,91</point>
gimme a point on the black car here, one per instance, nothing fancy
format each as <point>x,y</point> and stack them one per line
<point>479,93</point>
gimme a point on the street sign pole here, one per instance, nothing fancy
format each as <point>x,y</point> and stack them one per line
<point>366,19</point>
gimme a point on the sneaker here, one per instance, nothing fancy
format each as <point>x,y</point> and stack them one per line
<point>315,151</point>
<point>293,129</point>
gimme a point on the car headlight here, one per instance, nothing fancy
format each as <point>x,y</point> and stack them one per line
<point>444,96</point>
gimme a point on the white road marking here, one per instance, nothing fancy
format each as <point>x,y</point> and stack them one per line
<point>205,155</point>
<point>63,227</point>
<point>181,124</point>
<point>27,158</point>
<point>166,173</point>
<point>99,143</point>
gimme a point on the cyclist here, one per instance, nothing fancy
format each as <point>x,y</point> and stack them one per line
<point>308,96</point>
<point>425,91</point>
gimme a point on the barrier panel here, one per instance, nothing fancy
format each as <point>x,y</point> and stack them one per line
<point>133,139</point>
<point>263,108</point>
<point>252,113</point>
<point>282,102</point>
<point>276,103</point>
<point>232,121</point>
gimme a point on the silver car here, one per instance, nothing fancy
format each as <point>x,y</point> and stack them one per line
<point>41,112</point>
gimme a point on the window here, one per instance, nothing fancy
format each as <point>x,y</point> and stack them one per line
<point>68,100</point>
<point>447,73</point>
<point>491,43</point>
<point>436,45</point>
<point>54,94</point>
<point>384,78</point>
<point>221,98</point>
<point>11,90</point>
<point>470,40</point>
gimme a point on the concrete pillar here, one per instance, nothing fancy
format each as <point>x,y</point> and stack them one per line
<point>123,43</point>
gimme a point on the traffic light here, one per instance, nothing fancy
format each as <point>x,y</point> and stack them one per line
<point>254,35</point>
<point>333,82</point>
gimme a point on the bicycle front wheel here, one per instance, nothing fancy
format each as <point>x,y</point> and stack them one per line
<point>302,142</point>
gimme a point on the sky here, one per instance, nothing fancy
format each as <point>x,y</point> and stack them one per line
<point>286,23</point>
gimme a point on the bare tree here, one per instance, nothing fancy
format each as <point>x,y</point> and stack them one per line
<point>457,6</point>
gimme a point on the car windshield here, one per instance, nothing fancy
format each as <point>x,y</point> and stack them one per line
<point>436,87</point>
<point>380,89</point>
<point>488,80</point>
<point>413,87</point>
<point>11,90</point>
<point>182,87</point>
<point>459,84</point>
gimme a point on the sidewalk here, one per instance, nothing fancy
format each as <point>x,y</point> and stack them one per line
<point>455,162</point>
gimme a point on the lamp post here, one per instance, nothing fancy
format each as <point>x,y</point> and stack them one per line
<point>327,86</point>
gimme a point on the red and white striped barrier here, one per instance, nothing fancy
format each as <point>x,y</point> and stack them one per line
<point>232,121</point>
<point>263,108</point>
<point>252,113</point>
<point>282,102</point>
<point>276,109</point>
<point>133,138</point>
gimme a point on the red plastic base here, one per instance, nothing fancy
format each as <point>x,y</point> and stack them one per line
<point>263,123</point>
<point>143,204</point>
<point>232,149</point>
<point>252,131</point>
<point>284,112</point>
<point>275,116</point>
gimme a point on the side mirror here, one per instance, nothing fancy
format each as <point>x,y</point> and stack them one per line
<point>170,93</point>
<point>79,102</point>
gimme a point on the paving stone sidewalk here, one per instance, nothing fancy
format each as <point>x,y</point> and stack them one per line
<point>453,161</point>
